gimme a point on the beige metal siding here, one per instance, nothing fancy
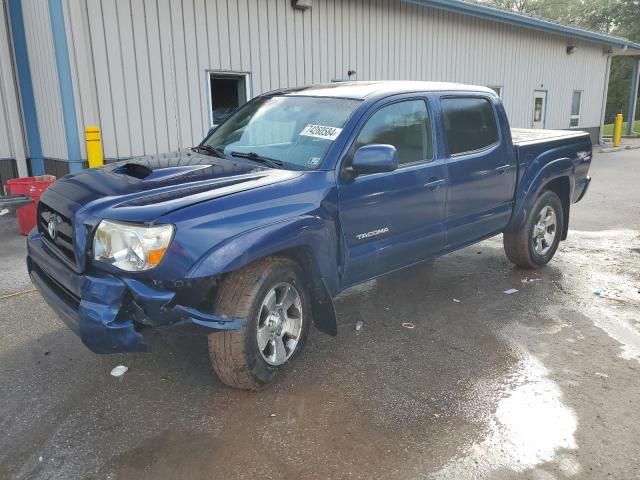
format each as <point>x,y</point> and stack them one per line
<point>44,77</point>
<point>11,136</point>
<point>81,64</point>
<point>6,89</point>
<point>140,66</point>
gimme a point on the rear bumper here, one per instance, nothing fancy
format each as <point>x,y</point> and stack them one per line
<point>108,312</point>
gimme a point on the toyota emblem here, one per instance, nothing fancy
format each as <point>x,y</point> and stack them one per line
<point>51,227</point>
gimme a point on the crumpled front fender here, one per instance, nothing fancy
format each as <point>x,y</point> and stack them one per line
<point>105,310</point>
<point>313,234</point>
<point>100,325</point>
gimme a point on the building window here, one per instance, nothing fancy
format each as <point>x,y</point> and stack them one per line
<point>227,91</point>
<point>497,89</point>
<point>576,106</point>
<point>470,124</point>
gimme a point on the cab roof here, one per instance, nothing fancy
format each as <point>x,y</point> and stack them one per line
<point>363,90</point>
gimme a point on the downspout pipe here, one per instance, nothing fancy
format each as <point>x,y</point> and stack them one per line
<point>633,95</point>
<point>63,67</point>
<point>25,86</point>
<point>605,93</point>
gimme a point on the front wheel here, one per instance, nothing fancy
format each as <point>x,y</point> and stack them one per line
<point>536,242</point>
<point>272,298</point>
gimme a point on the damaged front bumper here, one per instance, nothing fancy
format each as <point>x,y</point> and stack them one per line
<point>108,312</point>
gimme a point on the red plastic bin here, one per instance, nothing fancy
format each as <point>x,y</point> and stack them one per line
<point>32,186</point>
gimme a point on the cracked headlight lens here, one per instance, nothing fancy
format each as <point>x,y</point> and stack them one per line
<point>132,248</point>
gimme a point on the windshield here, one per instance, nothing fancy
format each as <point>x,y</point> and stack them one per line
<point>295,131</point>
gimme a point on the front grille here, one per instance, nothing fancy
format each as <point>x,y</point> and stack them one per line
<point>62,241</point>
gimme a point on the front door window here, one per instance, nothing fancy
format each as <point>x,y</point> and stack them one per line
<point>406,126</point>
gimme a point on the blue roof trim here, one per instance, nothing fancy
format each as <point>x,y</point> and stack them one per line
<point>25,84</point>
<point>521,20</point>
<point>63,67</point>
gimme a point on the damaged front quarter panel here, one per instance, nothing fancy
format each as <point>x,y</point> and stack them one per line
<point>112,310</point>
<point>101,326</point>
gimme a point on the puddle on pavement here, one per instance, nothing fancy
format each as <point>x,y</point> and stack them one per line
<point>530,426</point>
<point>598,279</point>
<point>609,291</point>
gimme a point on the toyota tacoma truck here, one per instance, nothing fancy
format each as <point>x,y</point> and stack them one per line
<point>298,195</point>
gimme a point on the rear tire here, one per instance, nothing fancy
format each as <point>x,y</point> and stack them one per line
<point>259,295</point>
<point>536,242</point>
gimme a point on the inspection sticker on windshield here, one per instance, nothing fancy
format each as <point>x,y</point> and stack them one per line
<point>320,131</point>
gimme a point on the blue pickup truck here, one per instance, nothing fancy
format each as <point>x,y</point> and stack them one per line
<point>300,194</point>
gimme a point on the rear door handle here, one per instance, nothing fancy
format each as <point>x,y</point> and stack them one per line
<point>434,183</point>
<point>503,168</point>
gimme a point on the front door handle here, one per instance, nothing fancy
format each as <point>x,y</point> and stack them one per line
<point>434,183</point>
<point>503,168</point>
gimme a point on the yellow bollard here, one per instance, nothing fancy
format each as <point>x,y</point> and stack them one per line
<point>617,130</point>
<point>94,147</point>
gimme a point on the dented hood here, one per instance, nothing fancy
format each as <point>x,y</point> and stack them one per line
<point>145,188</point>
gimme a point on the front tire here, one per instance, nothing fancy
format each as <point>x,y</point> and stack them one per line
<point>536,242</point>
<point>271,296</point>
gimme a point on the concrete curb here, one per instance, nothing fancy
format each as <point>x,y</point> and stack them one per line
<point>618,149</point>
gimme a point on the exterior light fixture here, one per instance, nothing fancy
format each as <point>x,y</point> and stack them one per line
<point>301,4</point>
<point>571,49</point>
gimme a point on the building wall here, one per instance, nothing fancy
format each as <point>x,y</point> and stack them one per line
<point>139,65</point>
<point>12,154</point>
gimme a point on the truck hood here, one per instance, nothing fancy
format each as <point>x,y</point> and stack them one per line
<point>144,188</point>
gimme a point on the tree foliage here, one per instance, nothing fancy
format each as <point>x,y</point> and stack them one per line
<point>614,17</point>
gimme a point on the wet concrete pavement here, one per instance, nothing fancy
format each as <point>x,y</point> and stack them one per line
<point>541,384</point>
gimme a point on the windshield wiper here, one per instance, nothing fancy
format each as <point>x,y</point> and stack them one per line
<point>271,162</point>
<point>209,149</point>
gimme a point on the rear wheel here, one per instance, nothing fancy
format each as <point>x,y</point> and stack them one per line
<point>536,242</point>
<point>272,298</point>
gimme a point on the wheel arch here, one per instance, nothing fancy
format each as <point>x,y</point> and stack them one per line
<point>557,176</point>
<point>304,240</point>
<point>322,307</point>
<point>561,186</point>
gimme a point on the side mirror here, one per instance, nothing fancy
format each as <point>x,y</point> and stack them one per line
<point>374,159</point>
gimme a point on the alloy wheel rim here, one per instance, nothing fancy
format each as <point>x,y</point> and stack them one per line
<point>544,230</point>
<point>279,323</point>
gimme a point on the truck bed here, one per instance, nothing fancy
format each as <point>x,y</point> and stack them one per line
<point>528,136</point>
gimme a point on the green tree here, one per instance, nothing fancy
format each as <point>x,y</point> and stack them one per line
<point>628,19</point>
<point>627,25</point>
<point>619,85</point>
<point>614,17</point>
<point>532,7</point>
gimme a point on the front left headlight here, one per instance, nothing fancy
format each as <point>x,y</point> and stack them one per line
<point>132,248</point>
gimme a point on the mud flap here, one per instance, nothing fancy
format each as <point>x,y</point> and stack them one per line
<point>323,309</point>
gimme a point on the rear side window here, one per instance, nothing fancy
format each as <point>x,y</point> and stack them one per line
<point>470,124</point>
<point>405,125</point>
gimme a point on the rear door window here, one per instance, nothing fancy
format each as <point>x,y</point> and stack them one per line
<point>470,124</point>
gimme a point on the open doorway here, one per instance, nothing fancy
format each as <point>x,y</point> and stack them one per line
<point>227,91</point>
